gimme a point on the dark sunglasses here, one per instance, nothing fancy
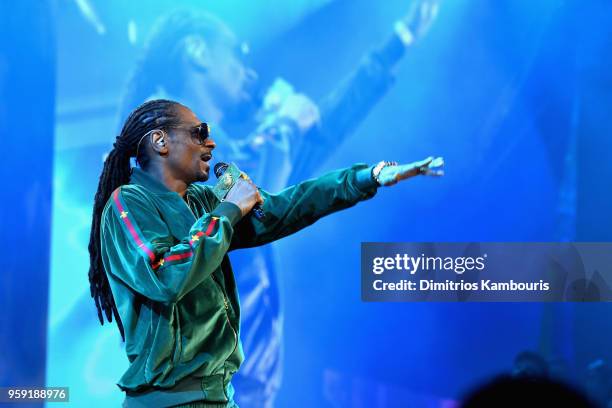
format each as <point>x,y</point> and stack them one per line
<point>198,133</point>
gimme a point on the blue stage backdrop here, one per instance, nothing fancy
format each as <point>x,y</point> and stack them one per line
<point>27,110</point>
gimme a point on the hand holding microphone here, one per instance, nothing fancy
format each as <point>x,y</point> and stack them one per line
<point>246,196</point>
<point>243,193</point>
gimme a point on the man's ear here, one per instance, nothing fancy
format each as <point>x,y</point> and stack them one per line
<point>159,142</point>
<point>197,52</point>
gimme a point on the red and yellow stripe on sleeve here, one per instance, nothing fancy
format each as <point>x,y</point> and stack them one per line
<point>136,235</point>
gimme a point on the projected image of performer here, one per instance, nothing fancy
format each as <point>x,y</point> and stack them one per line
<point>291,136</point>
<point>159,249</point>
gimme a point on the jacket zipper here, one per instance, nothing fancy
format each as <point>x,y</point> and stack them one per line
<point>225,300</point>
<point>188,204</point>
<point>226,306</point>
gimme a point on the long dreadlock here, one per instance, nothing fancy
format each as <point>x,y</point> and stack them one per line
<point>155,114</point>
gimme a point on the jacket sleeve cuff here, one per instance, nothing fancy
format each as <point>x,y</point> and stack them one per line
<point>229,210</point>
<point>360,182</point>
<point>364,180</point>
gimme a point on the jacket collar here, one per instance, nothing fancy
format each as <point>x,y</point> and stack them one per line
<point>142,178</point>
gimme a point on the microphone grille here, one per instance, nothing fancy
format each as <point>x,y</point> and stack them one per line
<point>220,168</point>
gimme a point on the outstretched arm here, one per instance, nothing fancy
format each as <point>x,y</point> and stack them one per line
<point>304,203</point>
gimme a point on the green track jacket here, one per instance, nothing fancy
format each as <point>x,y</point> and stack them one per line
<point>167,262</point>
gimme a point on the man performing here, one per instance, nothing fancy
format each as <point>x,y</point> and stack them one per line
<point>159,250</point>
<point>279,138</point>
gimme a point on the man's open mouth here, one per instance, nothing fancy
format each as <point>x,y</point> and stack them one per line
<point>206,157</point>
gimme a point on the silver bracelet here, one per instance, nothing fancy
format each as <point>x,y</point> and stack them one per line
<point>378,168</point>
